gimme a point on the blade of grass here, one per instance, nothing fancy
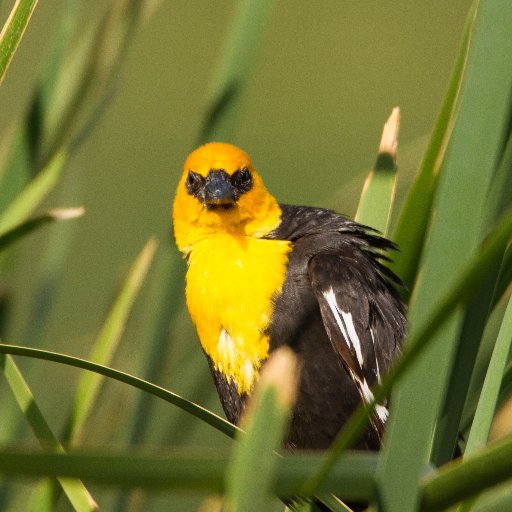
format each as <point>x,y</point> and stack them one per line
<point>352,476</point>
<point>200,412</point>
<point>500,195</point>
<point>58,113</point>
<point>459,391</point>
<point>253,465</point>
<point>13,31</point>
<point>103,351</point>
<point>378,194</point>
<point>52,118</point>
<point>108,340</point>
<point>491,388</point>
<point>467,281</point>
<point>234,71</point>
<point>467,170</point>
<point>506,384</point>
<point>497,499</point>
<point>26,227</point>
<point>411,231</point>
<point>33,194</point>
<point>76,492</point>
<point>457,480</point>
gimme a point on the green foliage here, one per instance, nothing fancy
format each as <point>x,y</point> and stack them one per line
<point>13,31</point>
<point>454,231</point>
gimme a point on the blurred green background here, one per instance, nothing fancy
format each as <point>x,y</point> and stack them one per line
<point>327,76</point>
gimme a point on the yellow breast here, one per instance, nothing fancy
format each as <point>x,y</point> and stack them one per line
<point>231,282</point>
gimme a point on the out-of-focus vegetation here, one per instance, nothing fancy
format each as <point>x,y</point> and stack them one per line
<point>100,104</point>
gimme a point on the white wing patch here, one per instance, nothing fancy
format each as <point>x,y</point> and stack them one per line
<point>376,358</point>
<point>348,330</point>
<point>345,325</point>
<point>381,410</point>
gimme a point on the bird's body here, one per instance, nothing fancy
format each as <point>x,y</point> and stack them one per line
<point>261,275</point>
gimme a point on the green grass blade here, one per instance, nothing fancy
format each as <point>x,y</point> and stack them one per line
<point>234,71</point>
<point>411,231</point>
<point>467,282</point>
<point>108,340</point>
<point>77,494</point>
<point>500,196</point>
<point>459,481</point>
<point>497,499</point>
<point>253,465</point>
<point>164,304</point>
<point>506,384</point>
<point>466,173</point>
<point>67,69</point>
<point>378,193</point>
<point>55,117</point>
<point>33,194</point>
<point>491,388</point>
<point>13,31</point>
<point>352,476</point>
<point>200,412</point>
<point>461,398</point>
<point>26,227</point>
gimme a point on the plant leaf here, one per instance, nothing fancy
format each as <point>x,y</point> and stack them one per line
<point>467,170</point>
<point>253,465</point>
<point>108,340</point>
<point>20,209</point>
<point>352,476</point>
<point>378,194</point>
<point>457,480</point>
<point>26,227</point>
<point>77,494</point>
<point>234,71</point>
<point>411,231</point>
<point>208,417</point>
<point>13,31</point>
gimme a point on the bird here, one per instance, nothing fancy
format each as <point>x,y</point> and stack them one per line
<point>262,274</point>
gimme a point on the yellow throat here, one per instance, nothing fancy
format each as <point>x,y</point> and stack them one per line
<point>233,274</point>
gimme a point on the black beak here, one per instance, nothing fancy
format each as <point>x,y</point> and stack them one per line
<point>218,190</point>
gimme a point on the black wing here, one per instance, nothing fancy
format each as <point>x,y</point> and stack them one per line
<point>361,309</point>
<point>362,313</point>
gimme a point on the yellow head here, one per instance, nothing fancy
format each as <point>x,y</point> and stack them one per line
<point>220,192</point>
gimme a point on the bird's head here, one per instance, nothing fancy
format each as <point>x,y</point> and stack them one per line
<point>220,192</point>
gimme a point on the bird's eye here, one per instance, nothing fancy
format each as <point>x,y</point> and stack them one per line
<point>242,179</point>
<point>194,182</point>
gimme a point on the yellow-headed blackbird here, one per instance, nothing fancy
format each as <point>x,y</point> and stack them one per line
<point>263,274</point>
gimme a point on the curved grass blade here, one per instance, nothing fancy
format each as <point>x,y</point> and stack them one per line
<point>108,340</point>
<point>76,492</point>
<point>13,31</point>
<point>33,194</point>
<point>458,481</point>
<point>196,410</point>
<point>468,167</point>
<point>352,476</point>
<point>461,397</point>
<point>25,228</point>
<point>56,115</point>
<point>491,388</point>
<point>496,499</point>
<point>467,282</point>
<point>378,194</point>
<point>411,231</point>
